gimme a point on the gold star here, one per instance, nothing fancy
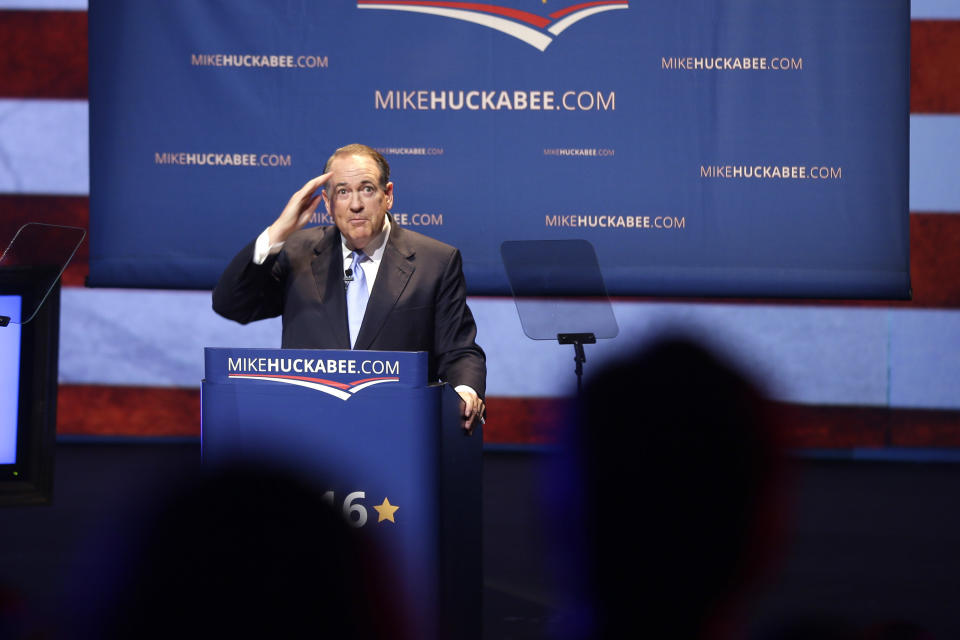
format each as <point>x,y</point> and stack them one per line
<point>386,511</point>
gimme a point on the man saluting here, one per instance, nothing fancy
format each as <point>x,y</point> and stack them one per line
<point>364,283</point>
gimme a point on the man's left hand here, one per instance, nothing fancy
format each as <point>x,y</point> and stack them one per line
<point>471,409</point>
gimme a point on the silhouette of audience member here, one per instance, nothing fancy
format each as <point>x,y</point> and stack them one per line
<point>825,627</point>
<point>896,630</point>
<point>13,614</point>
<point>673,455</point>
<point>251,553</point>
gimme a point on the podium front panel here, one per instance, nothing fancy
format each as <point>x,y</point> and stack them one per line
<point>364,438</point>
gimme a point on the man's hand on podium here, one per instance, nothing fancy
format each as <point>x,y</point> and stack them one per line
<point>471,408</point>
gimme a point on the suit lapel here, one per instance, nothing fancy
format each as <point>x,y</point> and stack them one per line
<point>327,265</point>
<point>392,278</point>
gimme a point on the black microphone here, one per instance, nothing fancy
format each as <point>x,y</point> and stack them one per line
<point>347,277</point>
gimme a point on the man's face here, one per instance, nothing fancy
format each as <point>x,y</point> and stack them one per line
<point>354,196</point>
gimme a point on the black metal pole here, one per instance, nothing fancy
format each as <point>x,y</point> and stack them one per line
<point>579,357</point>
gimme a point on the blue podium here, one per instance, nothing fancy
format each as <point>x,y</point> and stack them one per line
<point>381,443</point>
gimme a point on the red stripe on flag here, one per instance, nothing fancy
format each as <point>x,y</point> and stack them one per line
<point>815,427</point>
<point>525,420</point>
<point>923,428</point>
<point>934,259</point>
<point>127,411</point>
<point>44,54</point>
<point>934,55</point>
<point>73,211</point>
<point>152,411</point>
<point>934,271</point>
<point>832,427</point>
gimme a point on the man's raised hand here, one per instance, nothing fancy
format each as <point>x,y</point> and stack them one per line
<point>298,210</point>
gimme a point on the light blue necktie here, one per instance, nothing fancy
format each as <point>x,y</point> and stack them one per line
<point>357,296</point>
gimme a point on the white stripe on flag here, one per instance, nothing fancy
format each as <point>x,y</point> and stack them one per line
<point>935,10</point>
<point>70,5</point>
<point>44,147</point>
<point>935,163</point>
<point>811,355</point>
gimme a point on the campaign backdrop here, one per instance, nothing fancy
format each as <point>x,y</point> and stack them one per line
<point>704,147</point>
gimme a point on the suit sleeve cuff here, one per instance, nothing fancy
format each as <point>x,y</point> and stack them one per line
<point>263,249</point>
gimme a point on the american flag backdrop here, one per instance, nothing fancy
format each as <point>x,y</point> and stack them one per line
<point>851,374</point>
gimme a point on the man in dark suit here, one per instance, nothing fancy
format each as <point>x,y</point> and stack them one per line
<point>412,286</point>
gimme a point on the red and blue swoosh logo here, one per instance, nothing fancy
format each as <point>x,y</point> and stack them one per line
<point>536,30</point>
<point>342,390</point>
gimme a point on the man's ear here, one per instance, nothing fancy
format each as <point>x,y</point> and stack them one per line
<point>389,191</point>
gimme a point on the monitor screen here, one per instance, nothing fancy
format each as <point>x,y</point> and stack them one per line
<point>9,379</point>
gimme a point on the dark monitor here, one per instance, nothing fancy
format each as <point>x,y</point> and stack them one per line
<point>28,388</point>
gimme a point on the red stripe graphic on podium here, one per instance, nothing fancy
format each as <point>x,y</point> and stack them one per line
<point>342,390</point>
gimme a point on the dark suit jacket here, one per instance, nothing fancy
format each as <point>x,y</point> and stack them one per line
<point>418,301</point>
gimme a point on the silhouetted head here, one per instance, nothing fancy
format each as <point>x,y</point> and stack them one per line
<point>252,553</point>
<point>677,474</point>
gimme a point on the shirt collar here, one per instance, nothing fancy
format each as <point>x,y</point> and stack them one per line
<point>379,241</point>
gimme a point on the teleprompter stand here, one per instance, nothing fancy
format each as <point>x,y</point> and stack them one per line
<point>579,357</point>
<point>559,292</point>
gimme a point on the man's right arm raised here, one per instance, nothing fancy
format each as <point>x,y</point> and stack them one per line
<point>250,287</point>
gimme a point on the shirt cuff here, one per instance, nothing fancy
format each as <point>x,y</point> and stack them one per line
<point>263,249</point>
<point>464,387</point>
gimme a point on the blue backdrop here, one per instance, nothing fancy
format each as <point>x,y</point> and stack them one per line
<point>705,147</point>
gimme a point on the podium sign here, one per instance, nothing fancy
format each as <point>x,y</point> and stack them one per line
<point>367,430</point>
